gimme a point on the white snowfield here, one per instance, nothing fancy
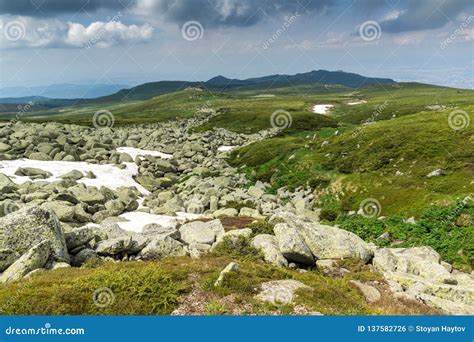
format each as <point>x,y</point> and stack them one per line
<point>225,148</point>
<point>107,175</point>
<point>137,220</point>
<point>322,109</point>
<point>134,152</point>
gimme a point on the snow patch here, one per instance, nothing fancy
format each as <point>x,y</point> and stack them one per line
<point>225,148</point>
<point>134,152</point>
<point>322,109</point>
<point>353,103</point>
<point>107,175</point>
<point>137,220</point>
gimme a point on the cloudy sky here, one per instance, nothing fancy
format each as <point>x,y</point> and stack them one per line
<point>135,41</point>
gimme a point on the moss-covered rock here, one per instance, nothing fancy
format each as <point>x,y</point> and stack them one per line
<point>25,228</point>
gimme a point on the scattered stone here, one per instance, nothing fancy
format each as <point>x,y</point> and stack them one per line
<point>231,267</point>
<point>36,257</point>
<point>280,292</point>
<point>370,293</point>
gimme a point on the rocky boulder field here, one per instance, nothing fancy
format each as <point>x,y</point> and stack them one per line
<point>72,194</point>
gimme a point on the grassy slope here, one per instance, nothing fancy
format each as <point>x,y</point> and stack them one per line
<point>151,288</point>
<point>387,160</point>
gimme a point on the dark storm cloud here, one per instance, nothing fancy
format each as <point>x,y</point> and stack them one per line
<point>46,8</point>
<point>424,15</point>
<point>219,13</point>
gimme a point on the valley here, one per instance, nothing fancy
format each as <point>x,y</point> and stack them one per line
<point>349,197</point>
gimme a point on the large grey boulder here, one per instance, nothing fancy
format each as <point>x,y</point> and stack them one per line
<point>114,246</point>
<point>422,275</point>
<point>197,231</point>
<point>160,248</point>
<point>268,245</point>
<point>326,242</point>
<point>156,230</point>
<point>25,228</point>
<point>33,173</point>
<point>292,245</point>
<point>35,258</point>
<point>64,210</point>
<point>80,236</point>
<point>423,261</point>
<point>84,255</point>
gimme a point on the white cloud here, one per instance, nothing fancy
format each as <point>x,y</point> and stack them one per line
<point>19,31</point>
<point>105,34</point>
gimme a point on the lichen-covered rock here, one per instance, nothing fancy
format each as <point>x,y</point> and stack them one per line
<point>370,293</point>
<point>63,210</point>
<point>35,258</point>
<point>326,242</point>
<point>160,248</point>
<point>231,267</point>
<point>114,246</point>
<point>280,292</point>
<point>156,230</point>
<point>421,275</point>
<point>84,255</point>
<point>292,245</point>
<point>268,244</point>
<point>197,231</point>
<point>25,228</point>
<point>7,257</point>
<point>79,237</point>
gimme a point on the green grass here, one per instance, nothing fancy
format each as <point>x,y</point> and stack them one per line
<point>388,160</point>
<point>436,228</point>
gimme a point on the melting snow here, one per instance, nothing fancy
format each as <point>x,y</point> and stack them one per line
<point>107,175</point>
<point>137,220</point>
<point>353,103</point>
<point>322,109</point>
<point>225,148</point>
<point>134,152</point>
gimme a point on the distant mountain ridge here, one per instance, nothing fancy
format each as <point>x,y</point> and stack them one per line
<point>62,91</point>
<point>346,79</point>
<point>221,83</point>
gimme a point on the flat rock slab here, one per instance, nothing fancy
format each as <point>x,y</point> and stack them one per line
<point>280,292</point>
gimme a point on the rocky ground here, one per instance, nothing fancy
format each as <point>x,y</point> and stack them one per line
<point>153,191</point>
